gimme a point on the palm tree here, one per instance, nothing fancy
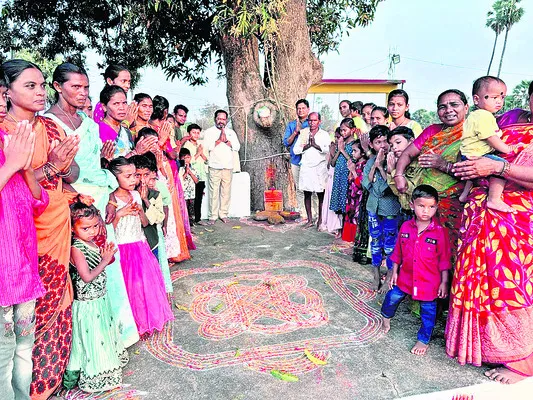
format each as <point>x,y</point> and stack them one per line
<point>511,14</point>
<point>494,23</point>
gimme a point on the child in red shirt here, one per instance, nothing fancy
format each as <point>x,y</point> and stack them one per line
<point>421,260</point>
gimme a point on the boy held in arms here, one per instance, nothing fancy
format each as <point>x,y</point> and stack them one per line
<point>421,261</point>
<point>481,136</point>
<point>399,139</point>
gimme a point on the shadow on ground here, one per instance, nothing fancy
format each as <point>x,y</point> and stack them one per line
<point>231,358</point>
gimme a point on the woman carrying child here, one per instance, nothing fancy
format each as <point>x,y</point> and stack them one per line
<point>436,149</point>
<point>98,354</point>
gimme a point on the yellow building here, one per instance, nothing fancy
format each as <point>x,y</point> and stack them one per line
<point>370,86</point>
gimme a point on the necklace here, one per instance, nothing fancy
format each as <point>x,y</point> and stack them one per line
<point>403,122</point>
<point>115,127</point>
<point>17,121</point>
<point>74,127</point>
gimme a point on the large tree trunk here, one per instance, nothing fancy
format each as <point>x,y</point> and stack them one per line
<point>492,55</point>
<point>503,51</point>
<point>293,69</point>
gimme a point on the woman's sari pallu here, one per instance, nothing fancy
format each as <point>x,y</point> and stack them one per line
<point>491,309</point>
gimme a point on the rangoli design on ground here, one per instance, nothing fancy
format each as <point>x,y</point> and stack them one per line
<point>122,393</point>
<point>337,247</point>
<point>256,303</point>
<point>281,228</point>
<point>284,356</point>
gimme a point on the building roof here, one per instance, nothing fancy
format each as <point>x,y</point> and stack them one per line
<point>363,81</point>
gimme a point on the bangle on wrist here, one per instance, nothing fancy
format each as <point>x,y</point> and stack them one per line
<point>46,172</point>
<point>397,175</point>
<point>505,169</point>
<point>65,174</point>
<point>53,168</point>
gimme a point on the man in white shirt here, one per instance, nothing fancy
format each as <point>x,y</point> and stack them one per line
<point>222,144</point>
<point>313,144</point>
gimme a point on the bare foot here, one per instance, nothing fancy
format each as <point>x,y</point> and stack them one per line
<point>504,375</point>
<point>309,225</point>
<point>385,285</point>
<point>377,278</point>
<point>419,348</point>
<point>386,324</point>
<point>500,205</point>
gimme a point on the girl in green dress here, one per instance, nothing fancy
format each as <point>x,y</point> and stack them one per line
<point>98,354</point>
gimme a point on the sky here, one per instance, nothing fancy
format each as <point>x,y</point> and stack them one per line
<point>442,45</point>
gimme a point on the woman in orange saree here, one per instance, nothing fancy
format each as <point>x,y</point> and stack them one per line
<point>491,309</point>
<point>54,166</point>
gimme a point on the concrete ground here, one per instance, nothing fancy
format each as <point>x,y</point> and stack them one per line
<point>286,292</point>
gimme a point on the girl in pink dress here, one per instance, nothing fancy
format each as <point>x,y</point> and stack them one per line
<point>142,274</point>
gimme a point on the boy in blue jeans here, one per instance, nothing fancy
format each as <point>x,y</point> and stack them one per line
<point>382,205</point>
<point>421,260</point>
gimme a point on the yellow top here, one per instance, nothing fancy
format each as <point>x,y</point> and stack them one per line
<point>361,125</point>
<point>415,127</point>
<point>479,126</point>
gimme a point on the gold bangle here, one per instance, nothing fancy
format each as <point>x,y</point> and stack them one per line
<point>114,204</point>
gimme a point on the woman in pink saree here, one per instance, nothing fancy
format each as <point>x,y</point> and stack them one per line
<point>491,309</point>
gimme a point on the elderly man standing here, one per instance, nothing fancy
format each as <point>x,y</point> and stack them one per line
<point>289,139</point>
<point>221,143</point>
<point>313,144</point>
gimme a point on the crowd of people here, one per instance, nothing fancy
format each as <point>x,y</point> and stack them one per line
<point>95,206</point>
<point>451,200</point>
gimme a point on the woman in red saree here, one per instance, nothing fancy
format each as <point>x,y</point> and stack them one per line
<point>54,165</point>
<point>491,310</point>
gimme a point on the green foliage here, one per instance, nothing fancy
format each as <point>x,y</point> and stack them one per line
<point>425,117</point>
<point>504,14</point>
<point>328,121</point>
<point>519,97</point>
<point>328,20</point>
<point>180,36</point>
<point>207,113</point>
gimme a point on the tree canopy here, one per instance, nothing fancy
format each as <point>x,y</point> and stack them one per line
<point>180,36</point>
